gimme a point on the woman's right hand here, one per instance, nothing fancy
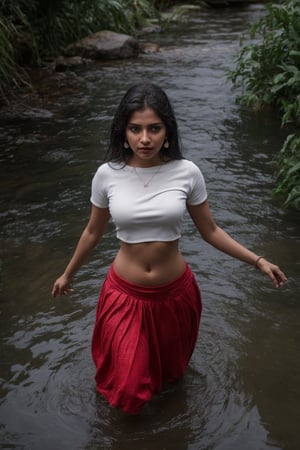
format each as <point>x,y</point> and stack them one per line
<point>89,238</point>
<point>62,286</point>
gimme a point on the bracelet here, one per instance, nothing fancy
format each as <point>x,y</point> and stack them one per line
<point>258,259</point>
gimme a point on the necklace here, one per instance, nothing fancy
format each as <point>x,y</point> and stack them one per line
<point>146,183</point>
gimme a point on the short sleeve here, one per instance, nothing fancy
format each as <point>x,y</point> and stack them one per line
<point>99,188</point>
<point>198,193</point>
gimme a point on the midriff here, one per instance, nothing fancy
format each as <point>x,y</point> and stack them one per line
<point>149,263</point>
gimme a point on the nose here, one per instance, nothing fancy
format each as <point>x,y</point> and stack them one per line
<point>145,137</point>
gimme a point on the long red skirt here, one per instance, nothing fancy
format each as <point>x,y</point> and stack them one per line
<point>143,336</point>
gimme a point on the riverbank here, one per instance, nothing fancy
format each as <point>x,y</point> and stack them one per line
<point>238,392</point>
<point>64,75</point>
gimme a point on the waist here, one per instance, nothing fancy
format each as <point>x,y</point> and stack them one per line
<point>150,263</point>
<point>157,292</point>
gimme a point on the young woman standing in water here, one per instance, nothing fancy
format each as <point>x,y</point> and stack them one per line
<point>150,305</point>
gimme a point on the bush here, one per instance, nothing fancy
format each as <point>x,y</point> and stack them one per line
<point>31,31</point>
<point>11,73</point>
<point>268,70</point>
<point>288,176</point>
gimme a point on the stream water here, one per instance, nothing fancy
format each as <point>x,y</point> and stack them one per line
<point>241,390</point>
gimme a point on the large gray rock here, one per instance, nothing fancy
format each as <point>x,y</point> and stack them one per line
<point>104,45</point>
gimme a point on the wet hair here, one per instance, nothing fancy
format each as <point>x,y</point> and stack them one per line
<point>138,98</point>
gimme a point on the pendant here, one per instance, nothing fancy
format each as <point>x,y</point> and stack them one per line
<point>147,183</point>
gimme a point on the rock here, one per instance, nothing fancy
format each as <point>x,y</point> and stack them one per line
<point>104,45</point>
<point>21,112</point>
<point>150,29</point>
<point>62,64</point>
<point>149,47</point>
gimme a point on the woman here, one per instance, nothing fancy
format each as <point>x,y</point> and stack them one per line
<point>150,305</point>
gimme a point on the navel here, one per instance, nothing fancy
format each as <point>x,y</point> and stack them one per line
<point>148,268</point>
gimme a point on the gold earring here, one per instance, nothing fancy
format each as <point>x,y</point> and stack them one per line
<point>126,145</point>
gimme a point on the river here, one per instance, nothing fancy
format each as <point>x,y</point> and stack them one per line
<point>241,390</point>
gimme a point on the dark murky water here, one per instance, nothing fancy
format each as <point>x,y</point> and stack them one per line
<point>241,391</point>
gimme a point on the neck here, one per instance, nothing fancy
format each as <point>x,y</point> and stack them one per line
<point>146,164</point>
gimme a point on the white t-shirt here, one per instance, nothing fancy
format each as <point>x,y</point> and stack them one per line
<point>153,213</point>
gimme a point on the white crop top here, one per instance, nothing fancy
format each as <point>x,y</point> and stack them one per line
<point>153,213</point>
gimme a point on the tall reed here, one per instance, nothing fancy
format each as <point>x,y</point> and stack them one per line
<point>44,27</point>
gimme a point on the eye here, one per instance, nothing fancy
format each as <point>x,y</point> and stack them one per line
<point>134,128</point>
<point>155,128</point>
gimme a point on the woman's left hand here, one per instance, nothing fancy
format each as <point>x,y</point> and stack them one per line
<point>273,271</point>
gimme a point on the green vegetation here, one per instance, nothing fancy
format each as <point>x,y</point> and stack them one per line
<point>268,70</point>
<point>289,172</point>
<point>31,31</point>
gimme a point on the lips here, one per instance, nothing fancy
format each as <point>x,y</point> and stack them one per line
<point>146,150</point>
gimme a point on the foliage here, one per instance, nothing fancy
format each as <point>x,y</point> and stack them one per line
<point>11,73</point>
<point>289,172</point>
<point>268,70</point>
<point>177,13</point>
<point>41,28</point>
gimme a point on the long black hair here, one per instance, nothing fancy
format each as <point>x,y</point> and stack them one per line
<point>137,98</point>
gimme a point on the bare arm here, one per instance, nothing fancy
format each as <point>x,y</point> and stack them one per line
<point>90,237</point>
<point>216,236</point>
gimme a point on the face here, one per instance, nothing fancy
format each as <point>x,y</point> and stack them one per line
<point>145,133</point>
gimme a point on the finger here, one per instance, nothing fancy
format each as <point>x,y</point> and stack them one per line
<point>68,291</point>
<point>279,277</point>
<point>54,291</point>
<point>57,290</point>
<point>274,280</point>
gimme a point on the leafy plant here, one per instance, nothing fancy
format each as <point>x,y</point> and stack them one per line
<point>289,172</point>
<point>44,27</point>
<point>11,74</point>
<point>268,71</point>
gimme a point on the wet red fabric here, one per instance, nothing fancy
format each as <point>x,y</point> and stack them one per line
<point>143,336</point>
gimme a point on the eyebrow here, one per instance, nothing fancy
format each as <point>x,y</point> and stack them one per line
<point>150,124</point>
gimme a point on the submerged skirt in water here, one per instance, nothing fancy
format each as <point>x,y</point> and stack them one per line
<point>143,336</point>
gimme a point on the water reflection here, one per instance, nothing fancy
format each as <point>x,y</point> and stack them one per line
<point>269,349</point>
<point>165,421</point>
<point>241,390</point>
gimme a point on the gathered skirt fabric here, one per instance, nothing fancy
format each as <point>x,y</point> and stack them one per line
<point>143,336</point>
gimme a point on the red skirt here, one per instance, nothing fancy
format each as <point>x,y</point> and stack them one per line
<point>143,336</point>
